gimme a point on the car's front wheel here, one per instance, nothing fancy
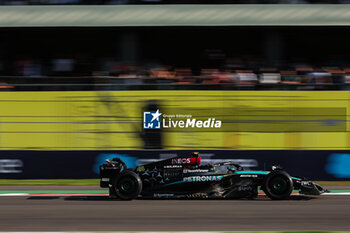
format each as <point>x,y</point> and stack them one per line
<point>278,185</point>
<point>127,185</point>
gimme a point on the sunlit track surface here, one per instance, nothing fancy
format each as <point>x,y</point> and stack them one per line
<point>97,213</point>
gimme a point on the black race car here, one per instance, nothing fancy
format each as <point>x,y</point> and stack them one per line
<point>184,177</point>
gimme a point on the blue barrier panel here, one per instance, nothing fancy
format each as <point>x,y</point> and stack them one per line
<point>312,164</point>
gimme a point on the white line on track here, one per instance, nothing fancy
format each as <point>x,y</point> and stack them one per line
<point>14,194</point>
<point>335,194</point>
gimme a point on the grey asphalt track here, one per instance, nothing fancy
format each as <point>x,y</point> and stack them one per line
<point>100,214</point>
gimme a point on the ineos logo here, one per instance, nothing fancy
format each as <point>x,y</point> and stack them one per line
<point>180,161</point>
<point>10,165</point>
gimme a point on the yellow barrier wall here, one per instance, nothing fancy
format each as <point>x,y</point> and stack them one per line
<point>112,119</point>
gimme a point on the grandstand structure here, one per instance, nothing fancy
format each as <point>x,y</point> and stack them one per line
<point>174,15</point>
<point>229,47</point>
<point>79,77</point>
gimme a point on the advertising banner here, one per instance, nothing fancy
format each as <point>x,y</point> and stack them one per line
<point>315,165</point>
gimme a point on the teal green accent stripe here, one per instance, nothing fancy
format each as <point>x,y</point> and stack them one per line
<point>177,182</point>
<point>259,173</point>
<point>253,172</point>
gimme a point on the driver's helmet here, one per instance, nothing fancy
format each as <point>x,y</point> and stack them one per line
<point>195,154</point>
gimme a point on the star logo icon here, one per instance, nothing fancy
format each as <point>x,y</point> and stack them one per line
<point>151,120</point>
<point>156,115</point>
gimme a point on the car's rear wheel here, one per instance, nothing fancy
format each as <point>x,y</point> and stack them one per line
<point>127,185</point>
<point>278,185</point>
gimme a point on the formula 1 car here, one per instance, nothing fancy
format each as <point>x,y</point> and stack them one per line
<point>184,177</point>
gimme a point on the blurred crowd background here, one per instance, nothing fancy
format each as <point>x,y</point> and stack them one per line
<point>76,74</point>
<point>116,2</point>
<point>223,58</point>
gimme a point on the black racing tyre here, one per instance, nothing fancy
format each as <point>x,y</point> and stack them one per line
<point>127,185</point>
<point>278,185</point>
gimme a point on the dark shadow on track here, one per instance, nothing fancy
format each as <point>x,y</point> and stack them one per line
<point>89,198</point>
<point>105,198</point>
<point>43,198</point>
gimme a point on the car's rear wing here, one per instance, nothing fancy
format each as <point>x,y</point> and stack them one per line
<point>110,169</point>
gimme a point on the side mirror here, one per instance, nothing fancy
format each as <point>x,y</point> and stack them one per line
<point>276,167</point>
